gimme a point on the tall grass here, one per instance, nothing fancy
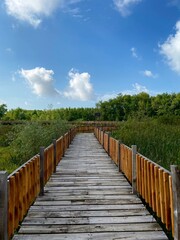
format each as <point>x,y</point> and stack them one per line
<point>6,164</point>
<point>23,141</point>
<point>5,159</point>
<point>157,139</point>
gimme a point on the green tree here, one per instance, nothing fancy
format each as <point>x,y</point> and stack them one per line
<point>3,110</point>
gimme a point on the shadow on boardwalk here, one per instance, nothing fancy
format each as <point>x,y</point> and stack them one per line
<point>87,198</point>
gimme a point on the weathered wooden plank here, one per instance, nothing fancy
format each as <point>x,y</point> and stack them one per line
<point>93,228</point>
<point>102,183</point>
<point>86,197</point>
<point>85,207</point>
<point>150,235</point>
<point>82,178</point>
<point>89,220</point>
<point>58,191</point>
<point>91,187</point>
<point>89,201</point>
<point>94,213</point>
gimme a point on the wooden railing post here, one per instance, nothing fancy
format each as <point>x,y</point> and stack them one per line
<point>119,155</point>
<point>109,135</point>
<point>55,155</point>
<point>102,137</point>
<point>63,142</point>
<point>3,206</point>
<point>175,171</point>
<point>70,136</point>
<point>99,135</point>
<point>41,171</point>
<point>134,173</point>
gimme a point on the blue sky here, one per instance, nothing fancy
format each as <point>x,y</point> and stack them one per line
<point>74,53</point>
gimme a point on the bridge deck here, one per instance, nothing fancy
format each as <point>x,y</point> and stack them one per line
<point>87,198</point>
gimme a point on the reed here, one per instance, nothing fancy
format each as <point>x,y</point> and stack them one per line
<point>155,139</point>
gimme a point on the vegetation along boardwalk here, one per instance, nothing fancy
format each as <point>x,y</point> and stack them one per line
<point>87,198</point>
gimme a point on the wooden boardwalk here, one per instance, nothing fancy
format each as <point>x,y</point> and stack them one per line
<point>87,198</point>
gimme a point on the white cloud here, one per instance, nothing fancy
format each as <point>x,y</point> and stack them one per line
<point>80,87</point>
<point>137,88</point>
<point>134,53</point>
<point>75,12</point>
<point>9,50</point>
<point>14,76</point>
<point>149,74</point>
<point>33,11</point>
<point>107,97</point>
<point>174,3</point>
<point>170,49</point>
<point>124,6</point>
<point>40,81</point>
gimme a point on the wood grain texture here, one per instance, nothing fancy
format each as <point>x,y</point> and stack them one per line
<point>87,198</point>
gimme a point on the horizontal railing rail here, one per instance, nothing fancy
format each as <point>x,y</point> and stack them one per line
<point>158,187</point>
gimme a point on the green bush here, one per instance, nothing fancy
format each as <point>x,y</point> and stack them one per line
<point>5,160</point>
<point>28,139</point>
<point>4,131</point>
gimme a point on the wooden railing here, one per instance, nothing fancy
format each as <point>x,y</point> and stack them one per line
<point>159,188</point>
<point>90,127</point>
<point>19,190</point>
<point>24,186</point>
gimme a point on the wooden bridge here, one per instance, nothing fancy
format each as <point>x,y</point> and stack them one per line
<point>87,198</point>
<point>80,193</point>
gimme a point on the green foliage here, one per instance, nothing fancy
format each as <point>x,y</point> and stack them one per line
<point>155,139</point>
<point>3,110</point>
<point>30,137</point>
<point>5,160</point>
<point>122,107</point>
<point>24,140</point>
<point>4,131</point>
<point>67,114</point>
<point>142,105</point>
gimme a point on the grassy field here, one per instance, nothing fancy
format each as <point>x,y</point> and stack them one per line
<point>157,139</point>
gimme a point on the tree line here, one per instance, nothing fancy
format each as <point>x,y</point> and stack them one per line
<point>123,107</point>
<point>141,105</point>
